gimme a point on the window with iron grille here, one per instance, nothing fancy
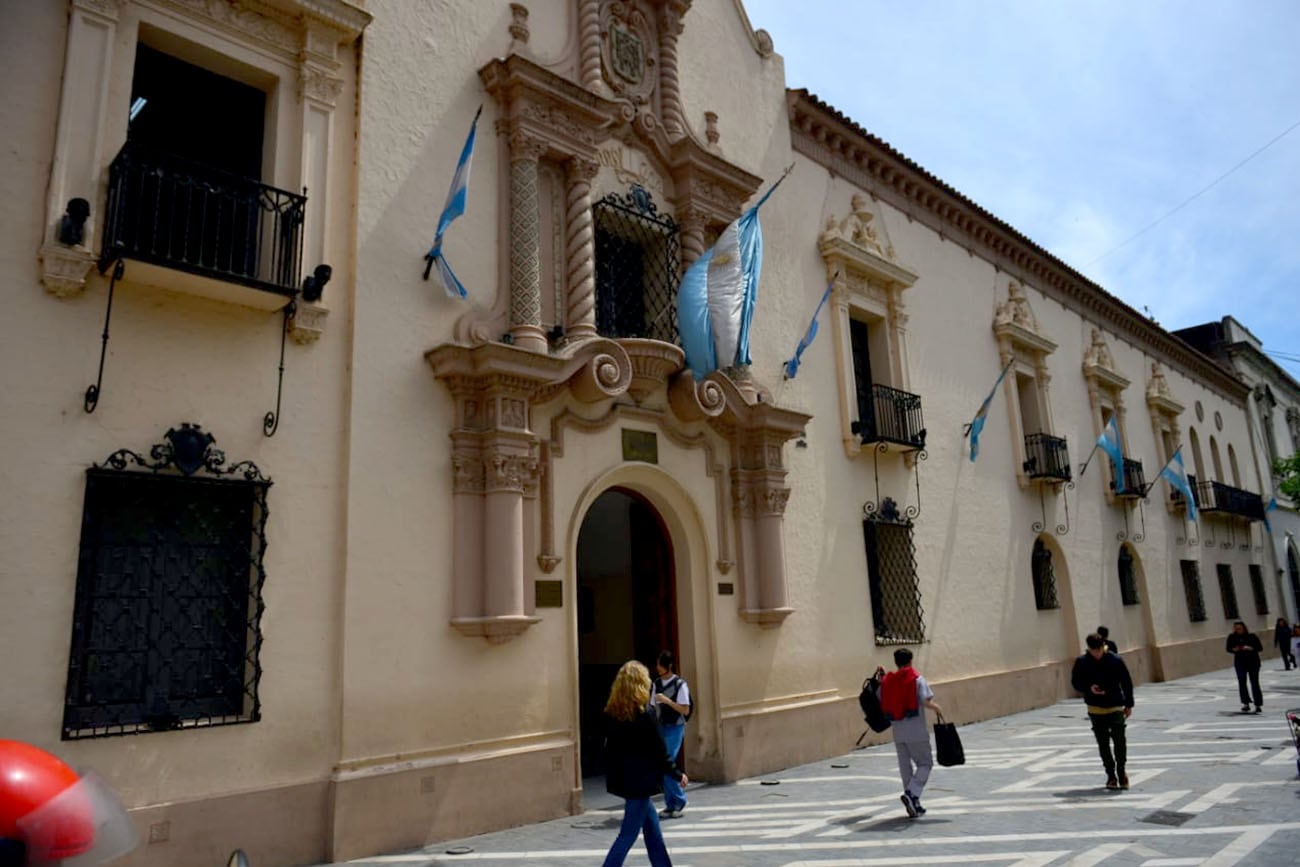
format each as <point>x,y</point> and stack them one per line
<point>637,268</point>
<point>1192,589</point>
<point>896,613</point>
<point>1227,591</point>
<point>1257,588</point>
<point>166,626</point>
<point>1128,590</point>
<point>1044,576</point>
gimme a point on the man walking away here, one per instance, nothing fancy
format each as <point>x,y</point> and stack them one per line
<point>1111,646</point>
<point>1245,649</point>
<point>672,698</point>
<point>1103,680</point>
<point>904,695</point>
<point>1282,640</point>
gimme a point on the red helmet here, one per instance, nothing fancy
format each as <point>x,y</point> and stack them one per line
<point>55,813</point>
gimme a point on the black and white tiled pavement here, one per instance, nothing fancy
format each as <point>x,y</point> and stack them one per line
<point>1210,786</point>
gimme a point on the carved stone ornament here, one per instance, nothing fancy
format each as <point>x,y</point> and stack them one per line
<point>64,269</point>
<point>307,323</point>
<point>1099,363</point>
<point>317,84</point>
<point>1015,324</point>
<point>629,51</point>
<point>853,248</point>
<point>857,228</point>
<point>1159,396</point>
<point>1016,309</point>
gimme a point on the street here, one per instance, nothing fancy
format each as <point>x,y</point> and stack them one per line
<point>1210,786</point>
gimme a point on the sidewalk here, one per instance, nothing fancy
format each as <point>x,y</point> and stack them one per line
<point>1210,786</point>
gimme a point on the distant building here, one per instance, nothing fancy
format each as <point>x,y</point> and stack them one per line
<point>353,562</point>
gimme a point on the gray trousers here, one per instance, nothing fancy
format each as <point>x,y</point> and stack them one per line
<point>915,753</point>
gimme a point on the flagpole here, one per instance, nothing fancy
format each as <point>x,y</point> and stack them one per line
<point>1151,484</point>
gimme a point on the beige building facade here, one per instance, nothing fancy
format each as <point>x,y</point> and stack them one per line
<point>387,610</point>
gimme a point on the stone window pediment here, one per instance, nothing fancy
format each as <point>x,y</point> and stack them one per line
<point>1024,347</point>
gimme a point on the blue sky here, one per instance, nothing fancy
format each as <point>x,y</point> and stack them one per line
<point>1081,123</point>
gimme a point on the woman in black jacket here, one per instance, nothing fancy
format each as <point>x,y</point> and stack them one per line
<point>1245,649</point>
<point>636,762</point>
<point>1282,640</point>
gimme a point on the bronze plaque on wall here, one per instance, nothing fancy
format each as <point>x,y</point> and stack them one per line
<point>548,594</point>
<point>640,445</point>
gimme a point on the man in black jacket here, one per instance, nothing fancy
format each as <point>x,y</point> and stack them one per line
<point>1245,648</point>
<point>1103,680</point>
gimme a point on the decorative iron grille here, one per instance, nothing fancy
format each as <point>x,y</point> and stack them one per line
<point>167,620</point>
<point>1044,577</point>
<point>1135,482</point>
<point>1047,457</point>
<point>1227,591</point>
<point>1128,590</point>
<point>181,214</point>
<point>892,415</point>
<point>1257,588</point>
<point>637,267</point>
<point>896,611</point>
<point>1192,589</point>
<point>1212,496</point>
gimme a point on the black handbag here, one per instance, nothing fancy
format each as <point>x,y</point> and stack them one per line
<point>947,744</point>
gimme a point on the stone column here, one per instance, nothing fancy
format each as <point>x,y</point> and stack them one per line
<point>467,524</point>
<point>670,27</point>
<point>898,344</point>
<point>589,44</point>
<point>526,245</point>
<point>769,527</point>
<point>506,461</point>
<point>692,222</point>
<point>580,251</point>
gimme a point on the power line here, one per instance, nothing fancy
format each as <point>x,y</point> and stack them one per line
<point>1194,196</point>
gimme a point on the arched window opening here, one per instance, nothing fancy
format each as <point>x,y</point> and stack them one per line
<point>1128,590</point>
<point>1044,576</point>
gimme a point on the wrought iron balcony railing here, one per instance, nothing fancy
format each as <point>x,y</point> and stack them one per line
<point>1214,496</point>
<point>179,214</point>
<point>1047,457</point>
<point>895,417</point>
<point>1135,483</point>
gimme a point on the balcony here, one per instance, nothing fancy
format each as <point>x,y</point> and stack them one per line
<point>1047,458</point>
<point>196,229</point>
<point>1218,497</point>
<point>1135,483</point>
<point>894,417</point>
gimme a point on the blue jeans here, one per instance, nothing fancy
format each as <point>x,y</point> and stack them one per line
<point>639,816</point>
<point>674,797</point>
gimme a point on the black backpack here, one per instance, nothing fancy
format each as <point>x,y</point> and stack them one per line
<point>871,710</point>
<point>672,689</point>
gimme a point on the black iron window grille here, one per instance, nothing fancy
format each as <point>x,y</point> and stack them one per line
<point>1128,589</point>
<point>896,613</point>
<point>637,267</point>
<point>167,619</point>
<point>890,415</point>
<point>1192,589</point>
<point>1212,496</point>
<point>1135,483</point>
<point>1227,591</point>
<point>1044,577</point>
<point>1047,457</point>
<point>180,214</point>
<point>1257,588</point>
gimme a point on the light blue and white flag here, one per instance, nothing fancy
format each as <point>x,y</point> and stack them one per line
<point>455,206</point>
<point>1272,505</point>
<point>1176,475</point>
<point>1108,442</point>
<point>981,415</point>
<point>792,366</point>
<point>715,302</point>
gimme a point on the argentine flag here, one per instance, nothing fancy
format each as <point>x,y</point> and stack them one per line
<point>715,302</point>
<point>1108,442</point>
<point>792,366</point>
<point>455,206</point>
<point>981,415</point>
<point>1176,475</point>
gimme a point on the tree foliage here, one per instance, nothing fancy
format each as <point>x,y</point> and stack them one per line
<point>1288,470</point>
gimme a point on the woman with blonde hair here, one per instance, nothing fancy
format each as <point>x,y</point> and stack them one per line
<point>636,762</point>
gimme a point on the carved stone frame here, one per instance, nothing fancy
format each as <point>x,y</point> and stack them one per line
<point>1164,410</point>
<point>1020,338</point>
<point>1105,391</point>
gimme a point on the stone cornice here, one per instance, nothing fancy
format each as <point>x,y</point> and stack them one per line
<point>347,18</point>
<point>1277,376</point>
<point>824,135</point>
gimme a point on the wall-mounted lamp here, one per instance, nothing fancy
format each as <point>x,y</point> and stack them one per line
<point>314,286</point>
<point>72,226</point>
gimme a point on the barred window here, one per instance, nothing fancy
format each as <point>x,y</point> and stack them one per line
<point>891,572</point>
<point>1257,588</point>
<point>1192,589</point>
<point>637,265</point>
<point>1044,576</point>
<point>166,629</point>
<point>1128,591</point>
<point>1227,591</point>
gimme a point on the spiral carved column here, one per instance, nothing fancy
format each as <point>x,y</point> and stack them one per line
<point>692,225</point>
<point>670,95</point>
<point>589,43</point>
<point>525,248</point>
<point>580,252</point>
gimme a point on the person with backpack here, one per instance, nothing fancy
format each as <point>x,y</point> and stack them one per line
<point>904,696</point>
<point>672,701</point>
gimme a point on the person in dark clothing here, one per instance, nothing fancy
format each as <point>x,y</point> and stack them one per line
<point>1102,678</point>
<point>1105,636</point>
<point>1245,649</point>
<point>636,762</point>
<point>1282,641</point>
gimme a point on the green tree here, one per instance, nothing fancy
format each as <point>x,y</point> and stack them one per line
<point>1288,469</point>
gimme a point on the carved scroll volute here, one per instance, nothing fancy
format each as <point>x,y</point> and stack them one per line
<point>605,375</point>
<point>694,401</point>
